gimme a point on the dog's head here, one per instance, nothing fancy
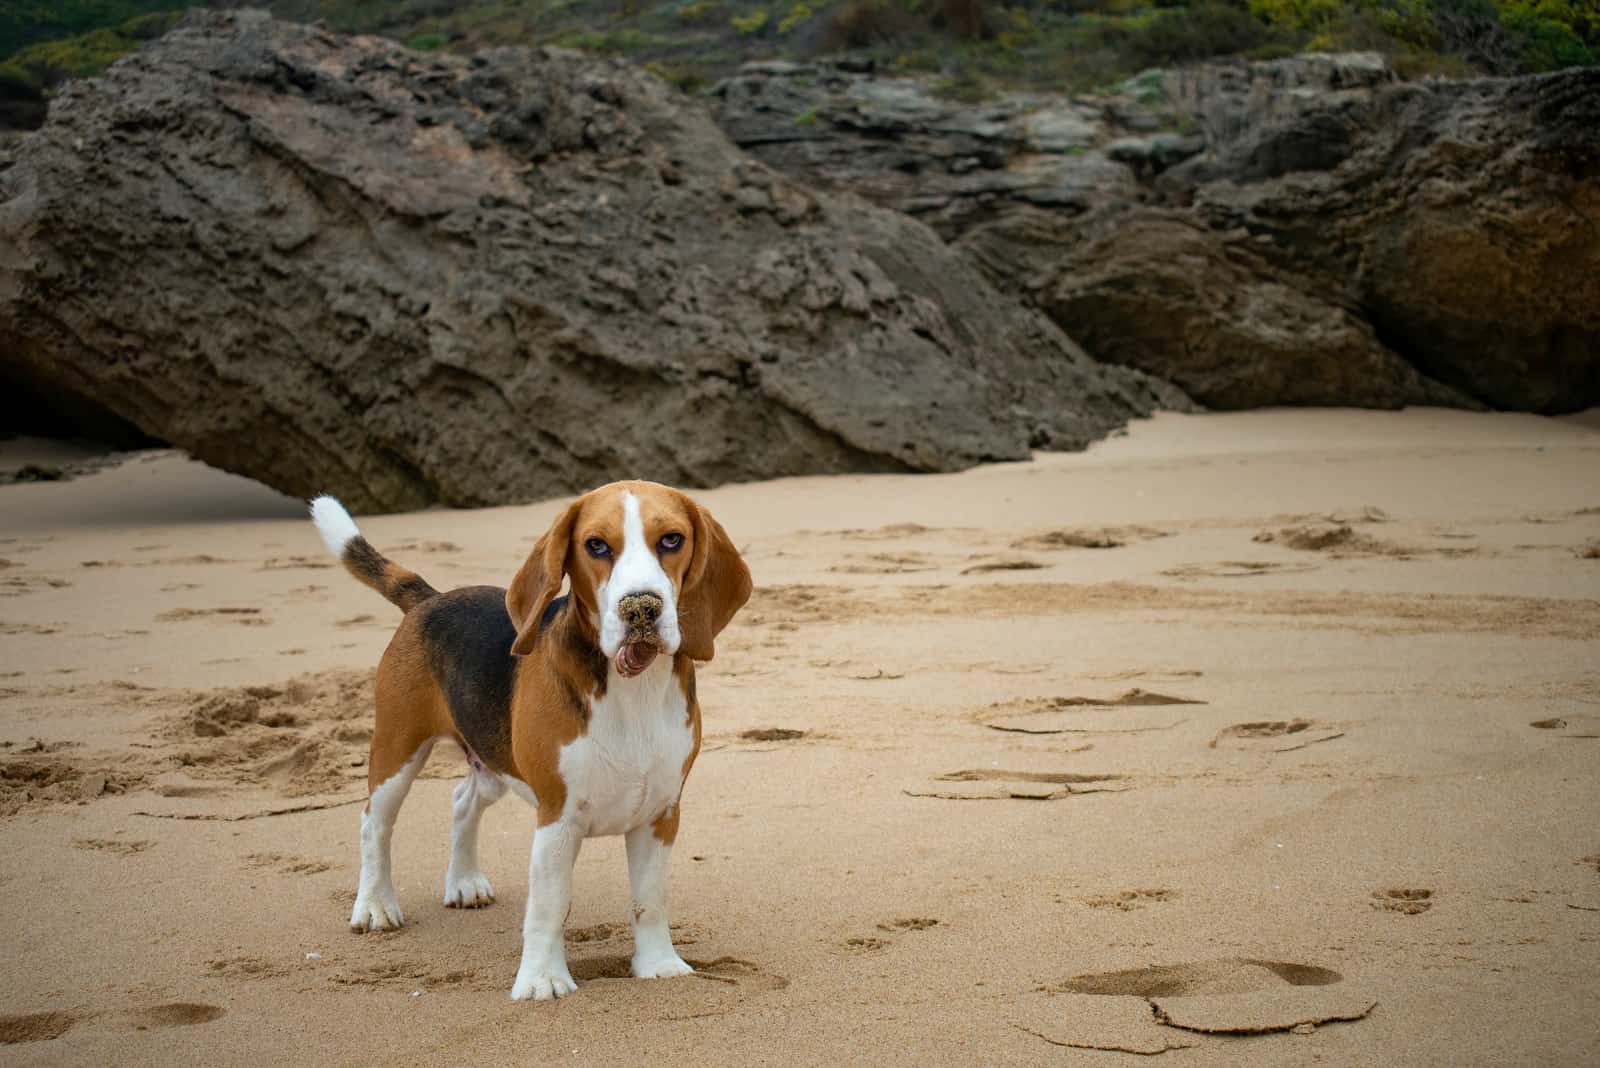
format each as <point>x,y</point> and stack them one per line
<point>651,571</point>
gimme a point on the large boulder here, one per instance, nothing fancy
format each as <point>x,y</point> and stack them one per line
<point>1204,309</point>
<point>1463,220</point>
<point>1297,231</point>
<point>333,264</point>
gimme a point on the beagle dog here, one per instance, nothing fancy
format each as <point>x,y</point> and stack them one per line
<point>583,704</point>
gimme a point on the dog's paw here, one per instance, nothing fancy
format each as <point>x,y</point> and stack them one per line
<point>379,912</point>
<point>470,891</point>
<point>543,984</point>
<point>660,967</point>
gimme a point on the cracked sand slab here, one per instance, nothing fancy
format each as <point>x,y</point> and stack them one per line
<point>1087,1021</point>
<point>1263,1011</point>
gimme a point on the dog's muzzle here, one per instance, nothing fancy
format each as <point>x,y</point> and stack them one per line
<point>640,613</point>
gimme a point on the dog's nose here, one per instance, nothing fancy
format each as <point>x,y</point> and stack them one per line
<point>640,609</point>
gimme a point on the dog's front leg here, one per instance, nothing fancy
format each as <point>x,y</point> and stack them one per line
<point>653,954</point>
<point>543,973</point>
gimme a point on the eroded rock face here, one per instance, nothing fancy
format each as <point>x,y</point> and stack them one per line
<point>950,164</point>
<point>1205,310</point>
<point>339,266</point>
<point>1464,222</point>
<point>1299,231</point>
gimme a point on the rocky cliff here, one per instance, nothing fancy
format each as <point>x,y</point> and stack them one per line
<point>336,265</point>
<point>1300,231</point>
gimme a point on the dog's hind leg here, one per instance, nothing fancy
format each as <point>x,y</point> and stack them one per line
<point>465,885</point>
<point>410,718</point>
<point>377,905</point>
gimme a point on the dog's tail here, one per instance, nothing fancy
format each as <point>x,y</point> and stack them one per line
<point>403,588</point>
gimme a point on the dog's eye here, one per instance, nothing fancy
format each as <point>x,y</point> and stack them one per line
<point>670,543</point>
<point>597,548</point>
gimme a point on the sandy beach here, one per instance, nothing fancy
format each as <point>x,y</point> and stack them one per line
<point>1264,738</point>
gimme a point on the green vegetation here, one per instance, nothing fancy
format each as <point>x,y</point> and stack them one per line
<point>750,24</point>
<point>31,22</point>
<point>972,47</point>
<point>426,42</point>
<point>799,14</point>
<point>28,73</point>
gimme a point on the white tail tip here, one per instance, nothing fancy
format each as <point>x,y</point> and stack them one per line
<point>334,524</point>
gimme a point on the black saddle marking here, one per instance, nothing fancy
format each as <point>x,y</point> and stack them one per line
<point>468,636</point>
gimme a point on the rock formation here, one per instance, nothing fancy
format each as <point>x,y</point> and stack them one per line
<point>1299,231</point>
<point>336,265</point>
<point>1463,219</point>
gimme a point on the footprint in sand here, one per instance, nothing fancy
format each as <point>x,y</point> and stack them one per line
<point>682,934</point>
<point>288,864</point>
<point>866,945</point>
<point>1089,538</point>
<point>19,585</point>
<point>288,563</point>
<point>871,944</point>
<point>1276,736</point>
<point>884,564</point>
<point>176,1014</point>
<point>892,531</point>
<point>747,975</point>
<point>599,932</point>
<point>1238,975</point>
<point>411,975</point>
<point>1129,900</point>
<point>1341,541</point>
<point>1235,569</point>
<point>1406,901</point>
<point>122,847</point>
<point>1237,996</point>
<point>1088,715</point>
<point>28,628</point>
<point>771,734</point>
<point>984,567</point>
<point>35,1027</point>
<point>415,546</point>
<point>1150,1011</point>
<point>33,774</point>
<point>998,784</point>
<point>244,615</point>
<point>731,971</point>
<point>244,967</point>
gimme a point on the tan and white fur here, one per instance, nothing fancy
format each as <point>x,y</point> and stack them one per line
<point>584,705</point>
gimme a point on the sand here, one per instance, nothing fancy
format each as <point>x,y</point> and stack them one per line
<point>1269,738</point>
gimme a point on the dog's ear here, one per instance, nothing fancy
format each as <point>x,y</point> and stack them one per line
<point>539,580</point>
<point>715,587</point>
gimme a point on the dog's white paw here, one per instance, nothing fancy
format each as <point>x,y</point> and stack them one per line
<point>470,891</point>
<point>543,984</point>
<point>660,967</point>
<point>377,912</point>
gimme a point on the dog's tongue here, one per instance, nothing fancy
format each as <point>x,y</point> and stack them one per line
<point>634,657</point>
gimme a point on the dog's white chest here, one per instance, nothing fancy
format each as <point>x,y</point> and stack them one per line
<point>627,769</point>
